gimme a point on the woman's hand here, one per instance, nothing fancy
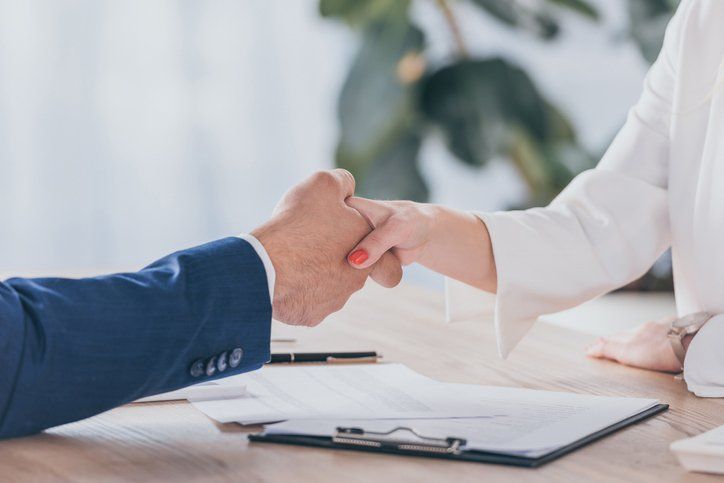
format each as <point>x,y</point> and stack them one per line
<point>402,227</point>
<point>450,242</point>
<point>646,346</point>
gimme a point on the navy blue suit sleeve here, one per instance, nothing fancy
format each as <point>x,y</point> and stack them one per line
<point>70,349</point>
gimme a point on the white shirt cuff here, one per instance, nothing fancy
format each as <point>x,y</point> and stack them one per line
<point>704,363</point>
<point>271,274</point>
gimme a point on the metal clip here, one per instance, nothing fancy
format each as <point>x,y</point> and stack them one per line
<point>356,360</point>
<point>384,440</point>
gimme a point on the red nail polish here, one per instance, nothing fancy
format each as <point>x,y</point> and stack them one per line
<point>358,257</point>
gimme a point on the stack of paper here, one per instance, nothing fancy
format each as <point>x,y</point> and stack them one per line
<point>356,391</point>
<point>315,400</point>
<point>221,389</point>
<point>703,453</point>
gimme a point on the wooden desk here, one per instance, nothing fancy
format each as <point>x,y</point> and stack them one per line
<point>174,442</point>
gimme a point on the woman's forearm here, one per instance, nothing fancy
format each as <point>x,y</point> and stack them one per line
<point>459,247</point>
<point>451,242</point>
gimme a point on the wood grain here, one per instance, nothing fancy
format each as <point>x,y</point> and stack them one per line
<point>174,442</point>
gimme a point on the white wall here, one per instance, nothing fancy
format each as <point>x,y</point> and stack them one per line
<point>130,129</point>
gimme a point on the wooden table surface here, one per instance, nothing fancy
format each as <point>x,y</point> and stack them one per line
<point>174,442</point>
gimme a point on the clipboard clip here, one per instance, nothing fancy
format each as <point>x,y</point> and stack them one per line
<point>386,440</point>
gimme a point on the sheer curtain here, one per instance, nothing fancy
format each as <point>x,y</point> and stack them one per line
<point>130,129</point>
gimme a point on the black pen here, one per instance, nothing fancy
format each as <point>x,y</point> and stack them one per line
<point>331,357</point>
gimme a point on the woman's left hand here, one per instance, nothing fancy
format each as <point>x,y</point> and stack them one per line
<point>646,346</point>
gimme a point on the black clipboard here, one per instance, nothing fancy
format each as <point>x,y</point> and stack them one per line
<point>451,448</point>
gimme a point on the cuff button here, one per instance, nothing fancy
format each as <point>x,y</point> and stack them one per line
<point>197,368</point>
<point>222,361</point>
<point>235,358</point>
<point>211,367</point>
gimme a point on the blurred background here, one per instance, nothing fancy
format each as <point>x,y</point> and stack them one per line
<point>132,129</point>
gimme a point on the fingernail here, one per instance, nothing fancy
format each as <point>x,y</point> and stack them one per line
<point>358,257</point>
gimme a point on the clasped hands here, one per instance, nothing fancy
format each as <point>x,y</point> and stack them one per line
<point>324,243</point>
<point>308,238</point>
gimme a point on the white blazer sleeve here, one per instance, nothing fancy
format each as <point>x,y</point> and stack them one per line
<point>604,230</point>
<point>705,359</point>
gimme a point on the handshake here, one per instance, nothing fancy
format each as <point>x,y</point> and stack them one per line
<point>308,240</point>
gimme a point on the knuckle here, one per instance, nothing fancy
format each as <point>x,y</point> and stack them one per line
<point>376,239</point>
<point>395,223</point>
<point>406,207</point>
<point>649,325</point>
<point>345,174</point>
<point>311,321</point>
<point>337,303</point>
<point>359,283</point>
<point>340,305</point>
<point>323,179</point>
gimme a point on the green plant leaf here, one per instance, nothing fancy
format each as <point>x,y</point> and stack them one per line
<point>358,13</point>
<point>580,6</point>
<point>649,19</point>
<point>475,103</point>
<point>484,108</point>
<point>538,22</point>
<point>536,19</point>
<point>503,10</point>
<point>488,108</point>
<point>375,107</point>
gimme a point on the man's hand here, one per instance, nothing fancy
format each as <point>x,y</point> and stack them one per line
<point>646,346</point>
<point>308,239</point>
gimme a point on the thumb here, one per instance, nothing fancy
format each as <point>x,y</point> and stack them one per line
<point>375,212</point>
<point>597,349</point>
<point>375,244</point>
<point>605,348</point>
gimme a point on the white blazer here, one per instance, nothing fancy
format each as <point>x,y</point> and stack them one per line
<point>660,184</point>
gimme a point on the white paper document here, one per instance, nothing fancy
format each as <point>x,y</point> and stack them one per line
<point>379,397</point>
<point>221,389</point>
<point>356,391</point>
<point>520,425</point>
<point>702,453</point>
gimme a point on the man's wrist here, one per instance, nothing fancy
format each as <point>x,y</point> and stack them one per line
<point>263,255</point>
<point>270,237</point>
<point>466,248</point>
<point>263,236</point>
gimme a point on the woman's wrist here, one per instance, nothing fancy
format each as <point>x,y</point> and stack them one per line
<point>443,225</point>
<point>459,246</point>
